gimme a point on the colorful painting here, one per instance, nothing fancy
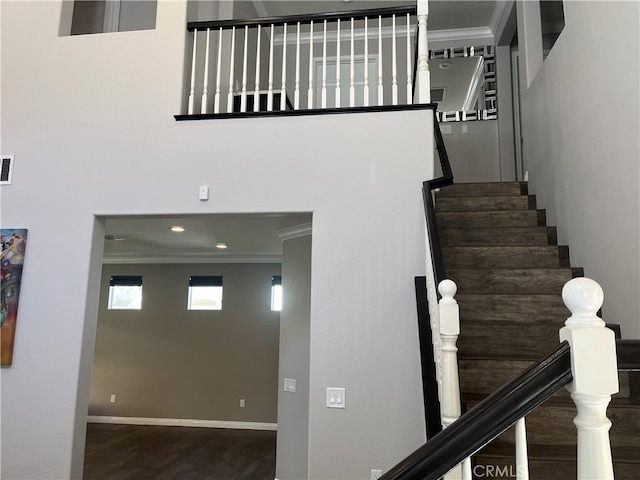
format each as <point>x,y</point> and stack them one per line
<point>14,243</point>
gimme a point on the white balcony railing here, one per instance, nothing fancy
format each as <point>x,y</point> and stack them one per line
<point>358,59</point>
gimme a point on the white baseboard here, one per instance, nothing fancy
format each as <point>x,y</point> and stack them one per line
<point>182,422</point>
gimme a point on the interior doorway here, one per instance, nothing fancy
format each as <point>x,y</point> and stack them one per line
<point>161,364</point>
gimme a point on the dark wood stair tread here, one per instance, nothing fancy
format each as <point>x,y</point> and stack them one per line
<point>518,281</point>
<point>555,452</point>
<point>497,236</point>
<point>561,401</point>
<point>483,189</point>
<point>488,218</point>
<point>483,203</point>
<point>547,256</point>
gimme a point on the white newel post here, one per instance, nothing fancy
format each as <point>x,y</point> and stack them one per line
<point>449,318</point>
<point>595,376</point>
<point>423,80</point>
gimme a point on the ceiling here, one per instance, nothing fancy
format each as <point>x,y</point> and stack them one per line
<point>443,15</point>
<point>249,237</point>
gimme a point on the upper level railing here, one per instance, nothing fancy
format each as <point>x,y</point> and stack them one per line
<point>330,61</point>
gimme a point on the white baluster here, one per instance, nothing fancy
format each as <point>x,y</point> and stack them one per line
<point>256,89</point>
<point>296,91</point>
<point>595,376</point>
<point>394,64</point>
<point>205,89</point>
<point>243,98</point>
<point>423,81</point>
<point>380,86</point>
<point>270,87</point>
<point>366,62</point>
<point>352,83</point>
<point>522,458</point>
<point>324,67</point>
<point>466,469</point>
<point>409,62</point>
<point>449,331</point>
<point>449,318</point>
<point>231,70</point>
<point>338,62</point>
<point>216,99</point>
<point>310,91</point>
<point>192,90</point>
<point>283,89</point>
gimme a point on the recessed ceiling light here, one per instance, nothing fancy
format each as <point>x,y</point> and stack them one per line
<point>114,238</point>
<point>445,65</point>
<point>221,246</point>
<point>177,229</point>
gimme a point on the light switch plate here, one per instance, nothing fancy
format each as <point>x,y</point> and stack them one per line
<point>336,398</point>
<point>289,385</point>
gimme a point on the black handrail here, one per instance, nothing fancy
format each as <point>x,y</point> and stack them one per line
<point>628,354</point>
<point>304,19</point>
<point>432,415</point>
<point>427,355</point>
<point>429,208</point>
<point>488,419</point>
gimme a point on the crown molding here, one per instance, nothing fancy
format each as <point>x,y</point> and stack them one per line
<point>295,231</point>
<point>500,10</point>
<point>190,258</point>
<point>460,34</point>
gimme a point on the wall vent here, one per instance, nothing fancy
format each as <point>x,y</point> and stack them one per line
<point>6,170</point>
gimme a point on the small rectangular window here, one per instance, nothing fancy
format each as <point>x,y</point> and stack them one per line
<point>125,292</point>
<point>205,293</point>
<point>276,293</point>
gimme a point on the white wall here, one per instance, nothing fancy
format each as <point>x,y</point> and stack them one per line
<point>581,122</point>
<point>475,155</point>
<point>292,459</point>
<point>164,361</point>
<point>89,120</point>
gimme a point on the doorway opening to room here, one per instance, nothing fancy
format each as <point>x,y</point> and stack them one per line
<point>189,349</point>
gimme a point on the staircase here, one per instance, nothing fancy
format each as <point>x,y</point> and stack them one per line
<point>510,272</point>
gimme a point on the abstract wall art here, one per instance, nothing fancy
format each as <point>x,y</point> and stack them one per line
<point>14,242</point>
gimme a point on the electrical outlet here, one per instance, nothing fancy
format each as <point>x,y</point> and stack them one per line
<point>113,398</point>
<point>376,474</point>
<point>242,403</point>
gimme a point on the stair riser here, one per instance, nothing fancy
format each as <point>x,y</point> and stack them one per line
<point>483,189</point>
<point>553,425</point>
<point>486,376</point>
<point>505,257</point>
<point>511,281</point>
<point>472,237</point>
<point>481,376</point>
<point>534,340</point>
<point>478,204</point>
<point>536,309</point>
<point>524,218</point>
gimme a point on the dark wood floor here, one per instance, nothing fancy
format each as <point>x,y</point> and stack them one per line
<point>132,452</point>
